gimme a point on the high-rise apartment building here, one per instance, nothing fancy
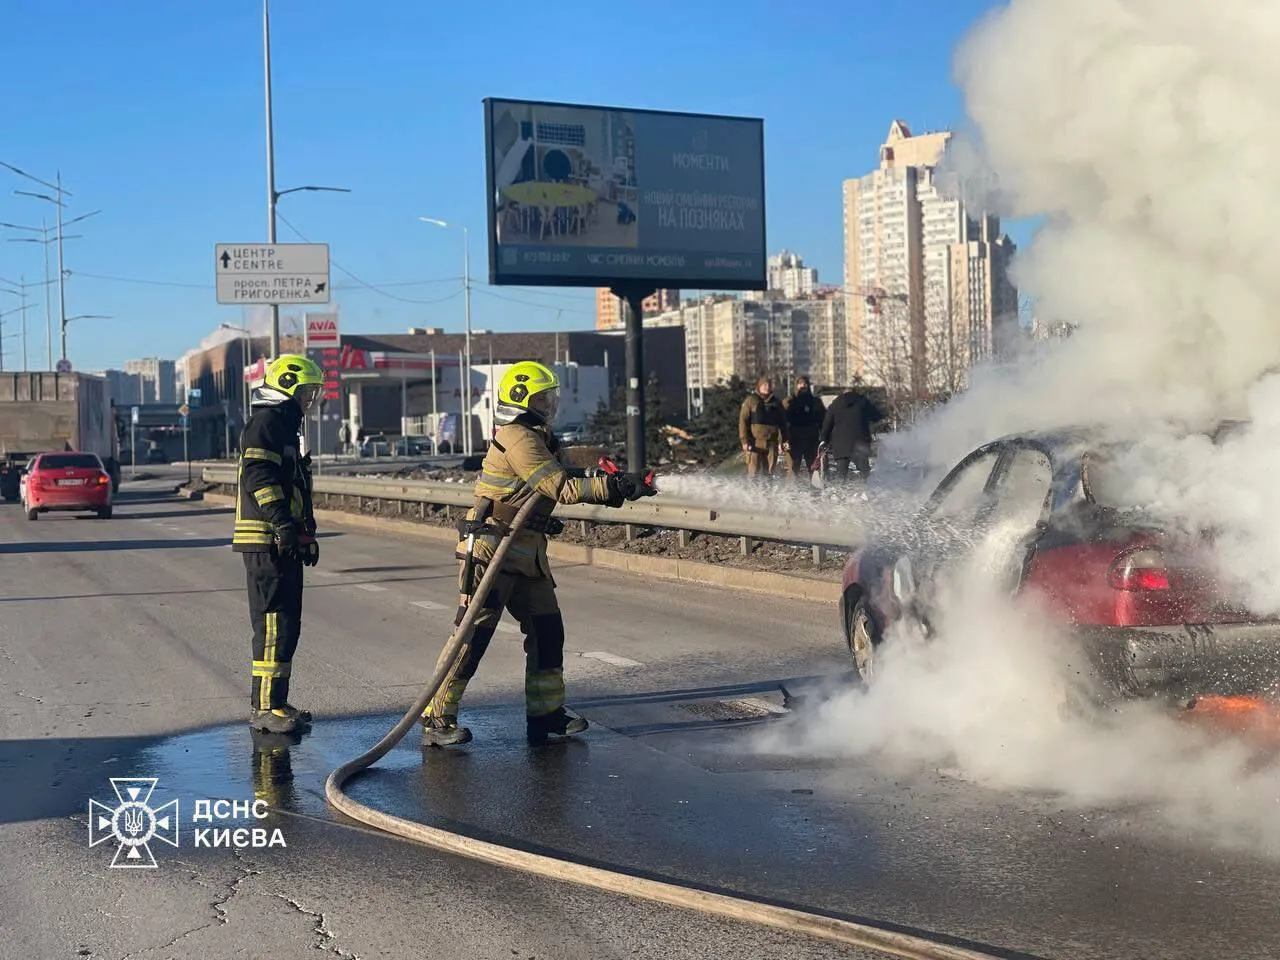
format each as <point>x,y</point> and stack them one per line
<point>789,276</point>
<point>609,309</point>
<point>926,281</point>
<point>157,379</point>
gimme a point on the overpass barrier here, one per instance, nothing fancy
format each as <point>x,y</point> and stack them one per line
<point>749,526</point>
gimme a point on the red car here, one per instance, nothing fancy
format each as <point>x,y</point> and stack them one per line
<point>66,481</point>
<point>1139,598</point>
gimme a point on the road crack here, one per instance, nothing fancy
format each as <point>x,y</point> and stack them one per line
<point>219,905</point>
<point>324,938</point>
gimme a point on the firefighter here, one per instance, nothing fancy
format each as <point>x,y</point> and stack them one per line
<point>521,462</point>
<point>275,532</point>
<point>762,428</point>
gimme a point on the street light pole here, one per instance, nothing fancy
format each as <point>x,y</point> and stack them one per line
<point>271,165</point>
<point>466,289</point>
<point>62,274</point>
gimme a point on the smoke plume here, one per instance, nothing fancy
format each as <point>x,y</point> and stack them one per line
<point>1143,132</point>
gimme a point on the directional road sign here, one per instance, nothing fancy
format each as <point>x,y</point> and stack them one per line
<point>183,411</point>
<point>280,273</point>
<point>133,415</point>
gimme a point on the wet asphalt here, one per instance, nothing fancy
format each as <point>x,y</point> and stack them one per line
<point>122,649</point>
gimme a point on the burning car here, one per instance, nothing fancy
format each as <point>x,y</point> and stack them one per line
<point>1140,597</point>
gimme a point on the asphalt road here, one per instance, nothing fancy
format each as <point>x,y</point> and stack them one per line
<point>123,648</point>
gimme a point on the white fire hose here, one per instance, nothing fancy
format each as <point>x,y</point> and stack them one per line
<point>851,933</point>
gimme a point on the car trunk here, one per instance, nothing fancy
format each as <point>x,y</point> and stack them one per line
<point>67,475</point>
<point>1172,575</point>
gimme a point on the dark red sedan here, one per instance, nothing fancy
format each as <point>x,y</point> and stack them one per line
<point>66,481</point>
<point>1139,598</point>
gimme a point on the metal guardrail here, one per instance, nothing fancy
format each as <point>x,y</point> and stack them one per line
<point>660,512</point>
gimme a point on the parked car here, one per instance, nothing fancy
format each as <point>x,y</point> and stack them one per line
<point>66,481</point>
<point>375,446</point>
<point>11,466</point>
<point>156,455</point>
<point>1139,599</point>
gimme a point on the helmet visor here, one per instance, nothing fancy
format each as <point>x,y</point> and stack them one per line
<point>306,394</point>
<point>546,404</point>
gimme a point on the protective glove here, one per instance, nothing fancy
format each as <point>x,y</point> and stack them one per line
<point>310,552</point>
<point>288,543</point>
<point>630,486</point>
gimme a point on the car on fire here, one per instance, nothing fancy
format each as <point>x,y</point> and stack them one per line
<point>1139,597</point>
<point>71,481</point>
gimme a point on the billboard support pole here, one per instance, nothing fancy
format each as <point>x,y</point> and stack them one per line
<point>634,295</point>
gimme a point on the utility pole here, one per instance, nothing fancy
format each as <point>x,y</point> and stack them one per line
<point>62,273</point>
<point>271,166</point>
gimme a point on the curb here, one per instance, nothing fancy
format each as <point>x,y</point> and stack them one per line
<point>661,568</point>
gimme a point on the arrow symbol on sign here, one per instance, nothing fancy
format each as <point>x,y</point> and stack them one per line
<point>320,287</point>
<point>226,259</point>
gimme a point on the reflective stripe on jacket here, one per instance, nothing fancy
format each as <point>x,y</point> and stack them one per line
<point>520,460</point>
<point>273,485</point>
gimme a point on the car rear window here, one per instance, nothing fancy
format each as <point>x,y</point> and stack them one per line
<point>68,461</point>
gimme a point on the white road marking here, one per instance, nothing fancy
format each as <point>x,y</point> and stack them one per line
<point>612,658</point>
<point>323,573</point>
<point>371,587</point>
<point>429,605</point>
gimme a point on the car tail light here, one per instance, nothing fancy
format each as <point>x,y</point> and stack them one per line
<point>1139,570</point>
<point>103,479</point>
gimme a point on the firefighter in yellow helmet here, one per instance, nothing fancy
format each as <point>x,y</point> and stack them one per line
<point>522,462</point>
<point>275,532</point>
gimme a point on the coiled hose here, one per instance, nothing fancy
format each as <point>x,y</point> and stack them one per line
<point>735,908</point>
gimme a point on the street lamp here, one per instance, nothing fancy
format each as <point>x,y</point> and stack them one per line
<point>20,292</point>
<point>58,205</point>
<point>466,287</point>
<point>44,242</point>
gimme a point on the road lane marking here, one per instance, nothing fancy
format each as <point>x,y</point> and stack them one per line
<point>429,605</point>
<point>371,587</point>
<point>612,658</point>
<point>323,573</point>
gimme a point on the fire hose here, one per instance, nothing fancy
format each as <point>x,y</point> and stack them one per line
<point>848,932</point>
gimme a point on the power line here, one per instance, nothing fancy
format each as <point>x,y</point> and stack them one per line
<point>209,286</point>
<point>365,283</point>
<point>530,303</point>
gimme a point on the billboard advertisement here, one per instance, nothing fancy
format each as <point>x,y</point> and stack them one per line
<point>590,196</point>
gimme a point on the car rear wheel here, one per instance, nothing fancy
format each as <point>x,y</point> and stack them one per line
<point>862,635</point>
<point>104,513</point>
<point>32,513</point>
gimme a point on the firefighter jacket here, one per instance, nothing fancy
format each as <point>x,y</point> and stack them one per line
<point>523,461</point>
<point>761,420</point>
<point>274,480</point>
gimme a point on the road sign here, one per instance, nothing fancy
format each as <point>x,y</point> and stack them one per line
<point>280,273</point>
<point>64,366</point>
<point>183,411</point>
<point>193,396</point>
<point>133,415</point>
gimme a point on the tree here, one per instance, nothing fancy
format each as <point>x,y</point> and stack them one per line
<point>715,429</point>
<point>608,425</point>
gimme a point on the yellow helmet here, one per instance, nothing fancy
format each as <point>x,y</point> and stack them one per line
<point>295,376</point>
<point>528,387</point>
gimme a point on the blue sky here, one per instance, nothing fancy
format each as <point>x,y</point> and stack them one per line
<point>153,112</point>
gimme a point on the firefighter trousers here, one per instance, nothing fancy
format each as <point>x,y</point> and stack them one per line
<point>531,601</point>
<point>275,610</point>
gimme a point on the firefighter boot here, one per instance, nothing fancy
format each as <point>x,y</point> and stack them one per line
<point>443,732</point>
<point>302,716</point>
<point>273,721</point>
<point>561,723</point>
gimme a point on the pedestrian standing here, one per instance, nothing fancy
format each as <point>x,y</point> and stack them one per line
<point>762,429</point>
<point>846,432</point>
<point>804,421</point>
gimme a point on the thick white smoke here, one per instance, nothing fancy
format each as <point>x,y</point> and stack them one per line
<point>1143,132</point>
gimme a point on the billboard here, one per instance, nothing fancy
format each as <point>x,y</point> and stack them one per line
<point>590,196</point>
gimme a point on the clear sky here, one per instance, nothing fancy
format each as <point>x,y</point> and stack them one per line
<point>153,112</point>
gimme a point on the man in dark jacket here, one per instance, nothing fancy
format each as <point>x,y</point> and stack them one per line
<point>804,419</point>
<point>275,533</point>
<point>846,432</point>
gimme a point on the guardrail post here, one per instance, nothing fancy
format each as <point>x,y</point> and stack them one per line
<point>629,531</point>
<point>683,538</point>
<point>819,553</point>
<point>746,544</point>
